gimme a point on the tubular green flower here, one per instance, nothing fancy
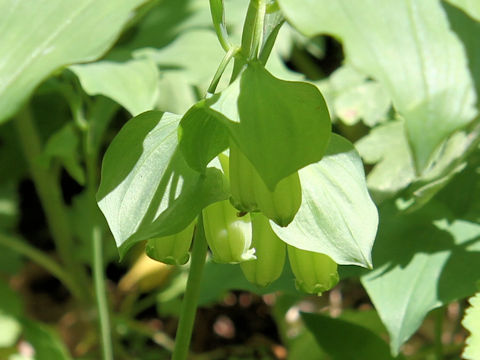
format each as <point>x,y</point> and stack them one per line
<point>270,252</point>
<point>228,235</point>
<point>173,249</point>
<point>241,175</point>
<point>314,272</point>
<point>282,204</point>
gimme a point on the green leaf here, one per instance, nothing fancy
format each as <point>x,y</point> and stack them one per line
<point>408,67</point>
<point>281,126</point>
<point>471,7</point>
<point>46,35</point>
<point>421,262</point>
<point>64,145</point>
<point>133,84</point>
<point>387,147</point>
<point>196,53</point>
<point>337,216</point>
<point>471,322</point>
<point>202,137</point>
<point>344,340</point>
<point>147,189</point>
<point>45,341</point>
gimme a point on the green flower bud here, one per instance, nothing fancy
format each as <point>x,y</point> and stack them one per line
<point>228,235</point>
<point>241,173</point>
<point>270,252</point>
<point>314,272</point>
<point>282,204</point>
<point>173,249</point>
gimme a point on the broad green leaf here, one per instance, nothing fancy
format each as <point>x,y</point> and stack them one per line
<point>344,340</point>
<point>471,7</point>
<point>42,36</point>
<point>281,126</point>
<point>471,322</point>
<point>176,92</point>
<point>147,189</point>
<point>202,137</point>
<point>64,146</point>
<point>132,84</point>
<point>337,216</point>
<point>196,53</point>
<point>421,262</point>
<point>387,147</point>
<point>408,47</point>
<point>45,341</point>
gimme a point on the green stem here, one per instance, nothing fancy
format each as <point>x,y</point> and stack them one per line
<point>23,248</point>
<point>439,314</point>
<point>221,68</point>
<point>98,266</point>
<point>48,190</point>
<point>253,28</point>
<point>100,294</point>
<point>189,303</point>
<point>218,17</point>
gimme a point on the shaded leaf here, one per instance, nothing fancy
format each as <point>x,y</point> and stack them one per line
<point>471,7</point>
<point>344,340</point>
<point>421,262</point>
<point>202,137</point>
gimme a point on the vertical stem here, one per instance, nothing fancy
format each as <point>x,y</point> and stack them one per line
<point>98,266</point>
<point>253,28</point>
<point>48,190</point>
<point>100,294</point>
<point>439,314</point>
<point>189,303</point>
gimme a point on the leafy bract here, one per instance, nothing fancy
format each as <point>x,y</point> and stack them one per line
<point>202,137</point>
<point>40,37</point>
<point>337,216</point>
<point>345,340</point>
<point>471,322</point>
<point>147,189</point>
<point>408,47</point>
<point>421,262</point>
<point>132,84</point>
<point>281,126</point>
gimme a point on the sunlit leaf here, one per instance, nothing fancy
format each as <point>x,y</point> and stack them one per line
<point>42,36</point>
<point>409,48</point>
<point>337,216</point>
